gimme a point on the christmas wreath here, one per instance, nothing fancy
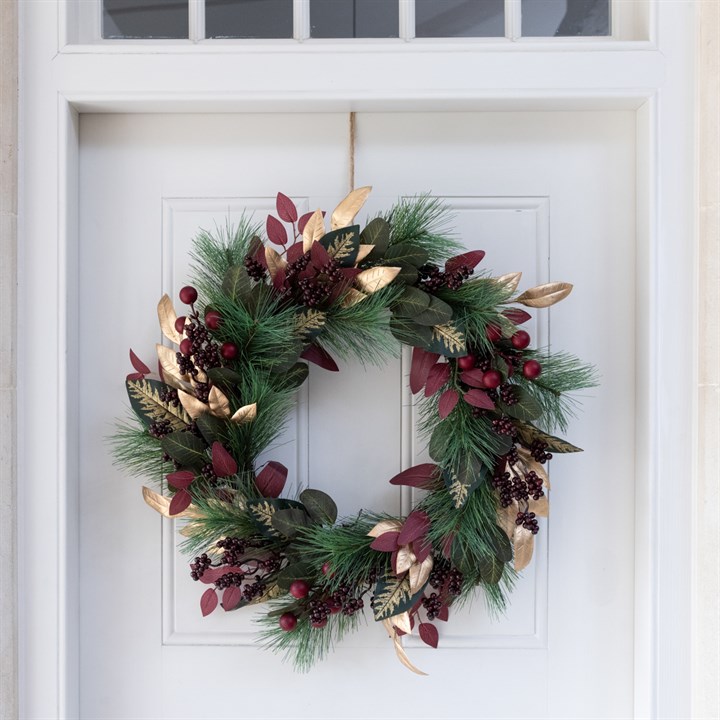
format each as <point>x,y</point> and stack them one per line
<point>488,405</point>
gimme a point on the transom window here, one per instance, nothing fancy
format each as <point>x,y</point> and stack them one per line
<point>327,19</point>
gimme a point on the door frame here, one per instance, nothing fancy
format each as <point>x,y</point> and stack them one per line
<point>653,78</point>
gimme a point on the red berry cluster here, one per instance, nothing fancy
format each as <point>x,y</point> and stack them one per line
<point>432,278</point>
<point>528,521</point>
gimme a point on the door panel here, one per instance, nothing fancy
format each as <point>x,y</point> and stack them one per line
<point>550,194</point>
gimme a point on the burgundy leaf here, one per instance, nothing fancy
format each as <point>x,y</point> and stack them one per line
<point>429,634</point>
<point>181,500</point>
<point>276,231</point>
<point>180,479</point>
<point>270,481</point>
<point>208,601</point>
<point>447,545</point>
<point>444,613</point>
<point>473,378</point>
<point>135,376</point>
<point>302,222</point>
<point>319,356</point>
<point>421,548</point>
<point>517,316</point>
<point>420,476</point>
<point>286,208</point>
<point>223,463</point>
<point>446,404</point>
<point>399,632</point>
<point>231,597</point>
<point>415,526</point>
<point>260,256</point>
<point>295,251</point>
<point>439,374</point>
<point>350,273</point>
<point>422,361</point>
<point>213,574</point>
<point>393,561</point>
<point>138,364</point>
<point>319,255</point>
<point>479,399</point>
<point>387,542</point>
<point>471,259</point>
<point>279,280</point>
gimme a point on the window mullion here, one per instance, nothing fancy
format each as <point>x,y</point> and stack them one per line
<point>407,19</point>
<point>197,20</point>
<point>513,19</point>
<point>301,19</point>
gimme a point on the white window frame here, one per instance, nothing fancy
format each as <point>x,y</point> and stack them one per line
<point>60,80</point>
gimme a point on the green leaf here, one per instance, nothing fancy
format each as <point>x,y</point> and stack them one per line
<point>377,233</point>
<point>237,283</point>
<point>187,449</point>
<point>320,506</point>
<point>295,376</point>
<point>287,358</point>
<point>462,480</point>
<point>224,376</point>
<point>408,333</point>
<point>343,245</point>
<point>392,596</point>
<point>526,407</point>
<point>501,545</point>
<point>437,313</point>
<point>294,571</point>
<point>408,274</point>
<point>412,302</point>
<point>146,403</point>
<point>262,511</point>
<point>448,340</point>
<point>290,521</point>
<point>528,433</point>
<point>406,253</point>
<point>437,447</point>
<point>490,569</point>
<point>211,428</point>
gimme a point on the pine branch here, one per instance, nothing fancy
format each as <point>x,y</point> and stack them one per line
<point>136,450</point>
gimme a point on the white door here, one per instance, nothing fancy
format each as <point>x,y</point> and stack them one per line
<point>550,194</point>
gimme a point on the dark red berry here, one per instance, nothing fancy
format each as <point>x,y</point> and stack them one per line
<point>229,351</point>
<point>520,340</point>
<point>288,621</point>
<point>467,362</point>
<point>493,333</point>
<point>188,295</point>
<point>213,319</point>
<point>320,624</point>
<point>186,346</point>
<point>492,379</point>
<point>531,369</point>
<point>299,589</point>
<point>180,324</point>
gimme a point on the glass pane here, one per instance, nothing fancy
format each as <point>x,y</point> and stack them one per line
<point>249,18</point>
<point>354,19</point>
<point>556,18</point>
<point>459,18</point>
<point>128,19</point>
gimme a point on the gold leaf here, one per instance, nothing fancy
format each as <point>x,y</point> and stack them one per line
<point>168,362</point>
<point>352,297</point>
<point>272,592</point>
<point>341,247</point>
<point>402,622</point>
<point>363,252</point>
<point>274,261</point>
<point>540,507</point>
<point>157,502</point>
<point>507,517</point>
<point>167,317</point>
<point>385,526</point>
<point>523,541</point>
<point>450,336</point>
<point>376,278</point>
<point>246,414</point>
<point>405,559</point>
<point>201,377</point>
<point>531,464</point>
<point>149,399</point>
<point>419,574</point>
<point>314,230</point>
<point>345,212</point>
<point>219,403</point>
<point>194,407</point>
<point>511,280</point>
<point>458,492</point>
<point>389,595</point>
<point>544,296</point>
<point>308,321</point>
<point>402,655</point>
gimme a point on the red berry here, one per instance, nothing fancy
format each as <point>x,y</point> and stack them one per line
<point>531,369</point>
<point>520,340</point>
<point>188,295</point>
<point>212,319</point>
<point>492,379</point>
<point>229,351</point>
<point>335,608</point>
<point>299,589</point>
<point>186,346</point>
<point>493,333</point>
<point>467,362</point>
<point>180,324</point>
<point>326,568</point>
<point>288,621</point>
<point>320,624</point>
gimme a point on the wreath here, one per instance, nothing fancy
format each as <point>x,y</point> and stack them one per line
<point>488,405</point>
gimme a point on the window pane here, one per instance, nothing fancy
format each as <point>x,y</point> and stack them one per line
<point>249,18</point>
<point>459,18</point>
<point>354,18</point>
<point>554,18</point>
<point>129,19</point>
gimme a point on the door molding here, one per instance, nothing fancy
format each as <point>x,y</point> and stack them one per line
<point>656,84</point>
